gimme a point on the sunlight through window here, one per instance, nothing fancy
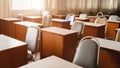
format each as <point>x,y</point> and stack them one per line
<point>27,4</point>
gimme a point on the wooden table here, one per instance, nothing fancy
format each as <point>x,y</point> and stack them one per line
<point>82,19</point>
<point>51,62</point>
<point>59,16</point>
<point>92,19</point>
<point>21,29</point>
<point>36,19</point>
<point>13,53</point>
<point>58,41</point>
<point>109,54</point>
<point>61,23</point>
<point>93,29</point>
<point>7,26</point>
<point>111,29</point>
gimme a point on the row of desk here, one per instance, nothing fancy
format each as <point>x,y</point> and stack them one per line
<point>13,53</point>
<point>65,47</point>
<point>108,58</point>
<point>15,28</point>
<point>110,31</point>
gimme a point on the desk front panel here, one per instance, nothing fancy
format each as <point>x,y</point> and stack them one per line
<point>14,57</point>
<point>21,32</point>
<point>94,31</point>
<point>109,58</point>
<point>8,27</point>
<point>59,16</point>
<point>111,27</point>
<point>36,20</point>
<point>65,25</point>
<point>59,45</point>
<point>83,20</point>
<point>92,18</point>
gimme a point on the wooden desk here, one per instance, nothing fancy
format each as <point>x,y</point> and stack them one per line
<point>59,16</point>
<point>61,23</point>
<point>36,19</point>
<point>58,41</point>
<point>51,62</point>
<point>92,19</point>
<point>82,19</point>
<point>13,53</point>
<point>111,26</point>
<point>7,26</point>
<point>93,29</point>
<point>109,54</point>
<point>21,29</point>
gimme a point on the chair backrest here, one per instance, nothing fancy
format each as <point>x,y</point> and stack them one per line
<point>100,14</point>
<point>71,18</point>
<point>83,16</point>
<point>46,21</point>
<point>118,35</point>
<point>87,53</point>
<point>77,26</point>
<point>101,20</point>
<point>113,18</point>
<point>32,38</point>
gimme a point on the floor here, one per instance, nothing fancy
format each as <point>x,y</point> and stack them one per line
<point>37,58</point>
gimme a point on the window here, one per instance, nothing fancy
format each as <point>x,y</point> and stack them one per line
<point>27,4</point>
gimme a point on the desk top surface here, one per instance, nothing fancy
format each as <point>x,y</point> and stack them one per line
<point>81,18</point>
<point>8,42</point>
<point>10,19</point>
<point>60,20</point>
<point>27,23</point>
<point>93,24</point>
<point>33,17</point>
<point>58,30</point>
<point>109,44</point>
<point>51,62</point>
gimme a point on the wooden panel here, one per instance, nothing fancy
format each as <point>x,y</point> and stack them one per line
<point>92,18</point>
<point>8,27</point>
<point>109,58</point>
<point>13,53</point>
<point>94,31</point>
<point>20,56</point>
<point>50,45</point>
<point>111,27</point>
<point>65,25</point>
<point>21,32</point>
<point>59,16</point>
<point>6,59</point>
<point>63,46</point>
<point>36,19</point>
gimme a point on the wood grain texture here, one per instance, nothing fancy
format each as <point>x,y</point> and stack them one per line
<point>63,46</point>
<point>111,27</point>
